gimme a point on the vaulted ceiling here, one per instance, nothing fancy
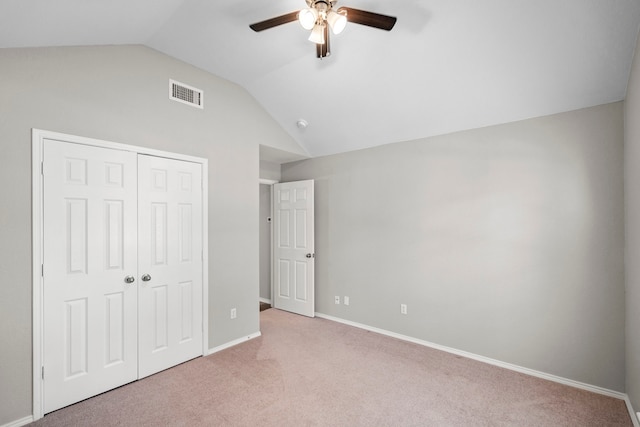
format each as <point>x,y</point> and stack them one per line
<point>447,65</point>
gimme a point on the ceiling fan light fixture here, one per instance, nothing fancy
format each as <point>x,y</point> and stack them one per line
<point>308,18</point>
<point>337,21</point>
<point>317,34</point>
<point>320,15</point>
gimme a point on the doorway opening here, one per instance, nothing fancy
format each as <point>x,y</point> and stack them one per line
<point>271,160</point>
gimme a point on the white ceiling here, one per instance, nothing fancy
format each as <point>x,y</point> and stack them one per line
<point>446,66</point>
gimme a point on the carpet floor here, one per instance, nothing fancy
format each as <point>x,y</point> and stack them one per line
<point>315,372</point>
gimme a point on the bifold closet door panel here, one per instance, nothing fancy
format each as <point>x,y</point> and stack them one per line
<point>90,259</point>
<point>169,262</point>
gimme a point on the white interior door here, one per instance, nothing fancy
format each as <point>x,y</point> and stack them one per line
<point>170,262</point>
<point>90,311</point>
<point>293,247</point>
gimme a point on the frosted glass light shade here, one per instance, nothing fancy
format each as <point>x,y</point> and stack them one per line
<point>307,18</point>
<point>337,21</point>
<point>317,35</point>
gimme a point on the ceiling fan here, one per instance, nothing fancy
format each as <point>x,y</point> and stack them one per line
<point>320,15</point>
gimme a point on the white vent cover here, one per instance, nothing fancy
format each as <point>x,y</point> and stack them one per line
<point>186,94</point>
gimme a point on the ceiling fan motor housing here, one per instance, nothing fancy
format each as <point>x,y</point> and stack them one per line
<point>322,7</point>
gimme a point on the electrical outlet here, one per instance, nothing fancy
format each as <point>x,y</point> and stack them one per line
<point>403,308</point>
<point>233,313</point>
<point>346,300</point>
<point>337,299</point>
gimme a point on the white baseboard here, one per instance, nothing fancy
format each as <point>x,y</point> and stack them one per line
<point>21,422</point>
<point>635,417</point>
<point>232,343</point>
<point>265,300</point>
<point>510,366</point>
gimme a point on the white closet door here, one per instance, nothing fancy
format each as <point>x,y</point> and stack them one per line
<point>169,262</point>
<point>90,311</point>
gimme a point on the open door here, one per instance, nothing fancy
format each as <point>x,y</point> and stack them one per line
<point>293,247</point>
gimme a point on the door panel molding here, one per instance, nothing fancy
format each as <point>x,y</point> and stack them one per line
<point>38,138</point>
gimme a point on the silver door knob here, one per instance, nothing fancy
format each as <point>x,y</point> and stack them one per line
<point>309,255</point>
<point>129,279</point>
<point>146,278</point>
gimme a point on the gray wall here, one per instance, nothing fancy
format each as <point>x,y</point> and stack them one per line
<point>121,94</point>
<point>265,241</point>
<point>505,241</point>
<point>632,216</point>
<point>269,170</point>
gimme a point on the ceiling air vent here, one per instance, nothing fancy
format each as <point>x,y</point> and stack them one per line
<point>186,94</point>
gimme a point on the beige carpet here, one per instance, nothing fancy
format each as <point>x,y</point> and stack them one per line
<point>314,372</point>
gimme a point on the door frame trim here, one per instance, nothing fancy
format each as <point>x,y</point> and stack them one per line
<point>37,220</point>
<point>270,183</point>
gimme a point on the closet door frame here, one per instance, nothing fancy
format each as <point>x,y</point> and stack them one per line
<point>38,137</point>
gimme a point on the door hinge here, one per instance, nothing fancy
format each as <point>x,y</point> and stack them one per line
<point>42,270</point>
<point>42,370</point>
<point>42,168</point>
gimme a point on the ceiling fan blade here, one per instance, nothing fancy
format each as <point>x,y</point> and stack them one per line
<point>323,50</point>
<point>274,22</point>
<point>369,19</point>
